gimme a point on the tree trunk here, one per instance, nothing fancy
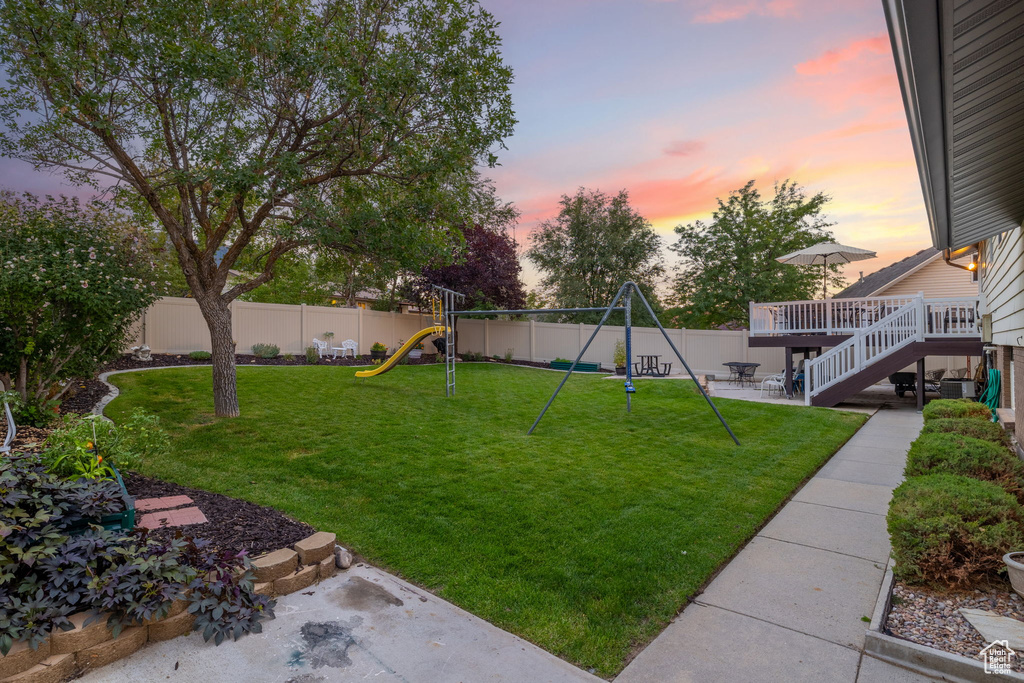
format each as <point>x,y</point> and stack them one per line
<point>225,388</point>
<point>21,382</point>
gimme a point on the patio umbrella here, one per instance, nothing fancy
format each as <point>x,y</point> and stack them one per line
<point>824,254</point>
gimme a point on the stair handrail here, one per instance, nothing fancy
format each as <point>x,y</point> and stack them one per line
<point>896,330</point>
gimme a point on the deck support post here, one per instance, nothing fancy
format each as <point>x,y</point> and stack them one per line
<point>789,372</point>
<point>920,384</point>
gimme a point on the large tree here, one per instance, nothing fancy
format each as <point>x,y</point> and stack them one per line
<point>729,262</point>
<point>596,243</point>
<point>258,119</point>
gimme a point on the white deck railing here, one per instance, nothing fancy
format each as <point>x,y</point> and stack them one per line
<point>943,317</point>
<point>916,320</point>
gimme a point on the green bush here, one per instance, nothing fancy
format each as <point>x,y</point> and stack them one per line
<point>312,357</point>
<point>956,407</point>
<point>968,426</point>
<point>266,350</point>
<point>87,445</point>
<point>949,531</point>
<point>378,347</point>
<point>200,355</point>
<point>946,453</point>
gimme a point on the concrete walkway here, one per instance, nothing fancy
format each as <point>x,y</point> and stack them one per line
<point>363,624</point>
<point>793,604</point>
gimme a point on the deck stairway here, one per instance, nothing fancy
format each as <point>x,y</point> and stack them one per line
<point>882,336</point>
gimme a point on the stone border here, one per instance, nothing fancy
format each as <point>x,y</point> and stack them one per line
<point>927,661</point>
<point>84,648</point>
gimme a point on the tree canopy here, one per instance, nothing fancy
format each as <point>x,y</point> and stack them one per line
<point>729,262</point>
<point>349,123</point>
<point>596,243</point>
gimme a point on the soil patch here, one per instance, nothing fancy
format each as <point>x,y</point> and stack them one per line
<point>233,524</point>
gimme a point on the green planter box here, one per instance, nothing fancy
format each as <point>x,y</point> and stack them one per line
<point>580,367</point>
<point>119,520</point>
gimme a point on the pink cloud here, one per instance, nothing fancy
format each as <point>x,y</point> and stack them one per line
<point>684,148</point>
<point>832,61</point>
<point>719,12</point>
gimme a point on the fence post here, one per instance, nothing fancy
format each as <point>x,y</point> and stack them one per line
<point>533,340</point>
<point>302,327</point>
<point>359,329</point>
<point>487,337</point>
<point>581,339</point>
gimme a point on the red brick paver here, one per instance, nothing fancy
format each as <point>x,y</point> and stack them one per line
<point>182,517</point>
<point>147,504</point>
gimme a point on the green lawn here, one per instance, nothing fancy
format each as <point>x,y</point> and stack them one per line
<point>585,538</point>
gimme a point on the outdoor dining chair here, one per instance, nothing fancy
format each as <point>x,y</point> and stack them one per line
<point>346,346</point>
<point>320,346</point>
<point>773,382</point>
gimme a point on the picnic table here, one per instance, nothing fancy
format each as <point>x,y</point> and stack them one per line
<point>649,366</point>
<point>741,372</point>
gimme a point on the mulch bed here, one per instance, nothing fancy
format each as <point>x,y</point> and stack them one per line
<point>83,397</point>
<point>161,360</point>
<point>933,619</point>
<point>233,524</point>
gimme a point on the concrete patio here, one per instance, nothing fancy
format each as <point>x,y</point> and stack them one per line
<point>792,605</point>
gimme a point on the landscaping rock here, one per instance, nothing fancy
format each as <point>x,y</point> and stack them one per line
<point>275,565</point>
<point>266,588</point>
<point>342,557</point>
<point>130,640</point>
<point>303,578</point>
<point>22,658</point>
<point>53,669</point>
<point>82,637</point>
<point>327,567</point>
<point>171,627</point>
<point>314,549</point>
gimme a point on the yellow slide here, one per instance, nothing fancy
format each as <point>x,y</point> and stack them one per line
<point>401,353</point>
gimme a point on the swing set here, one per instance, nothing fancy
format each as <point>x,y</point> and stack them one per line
<point>443,303</point>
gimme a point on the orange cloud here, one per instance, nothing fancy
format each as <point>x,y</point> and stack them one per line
<point>833,60</point>
<point>684,148</point>
<point>719,12</point>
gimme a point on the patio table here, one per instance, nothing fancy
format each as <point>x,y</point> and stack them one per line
<point>741,371</point>
<point>648,365</point>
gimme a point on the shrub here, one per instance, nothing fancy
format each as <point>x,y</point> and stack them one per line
<point>956,407</point>
<point>200,355</point>
<point>48,572</point>
<point>968,426</point>
<point>619,355</point>
<point>73,282</point>
<point>312,357</point>
<point>509,355</point>
<point>936,453</point>
<point>378,347</point>
<point>289,357</point>
<point>266,350</point>
<point>949,531</point>
<point>73,447</point>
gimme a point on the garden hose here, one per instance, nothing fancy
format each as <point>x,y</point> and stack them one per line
<point>990,396</point>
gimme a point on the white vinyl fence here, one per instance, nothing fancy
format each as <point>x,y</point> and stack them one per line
<point>175,325</point>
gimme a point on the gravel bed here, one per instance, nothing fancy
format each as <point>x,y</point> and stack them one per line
<point>933,619</point>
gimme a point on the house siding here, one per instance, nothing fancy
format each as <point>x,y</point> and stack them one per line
<point>1002,268</point>
<point>937,280</point>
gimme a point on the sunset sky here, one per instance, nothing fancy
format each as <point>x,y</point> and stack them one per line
<point>681,101</point>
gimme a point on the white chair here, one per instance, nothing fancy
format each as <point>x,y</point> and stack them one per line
<point>772,382</point>
<point>320,346</point>
<point>346,346</point>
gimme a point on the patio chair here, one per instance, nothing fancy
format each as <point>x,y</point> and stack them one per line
<point>772,382</point>
<point>320,346</point>
<point>12,429</point>
<point>346,346</point>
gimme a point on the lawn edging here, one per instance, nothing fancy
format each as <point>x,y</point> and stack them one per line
<point>91,646</point>
<point>927,661</point>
